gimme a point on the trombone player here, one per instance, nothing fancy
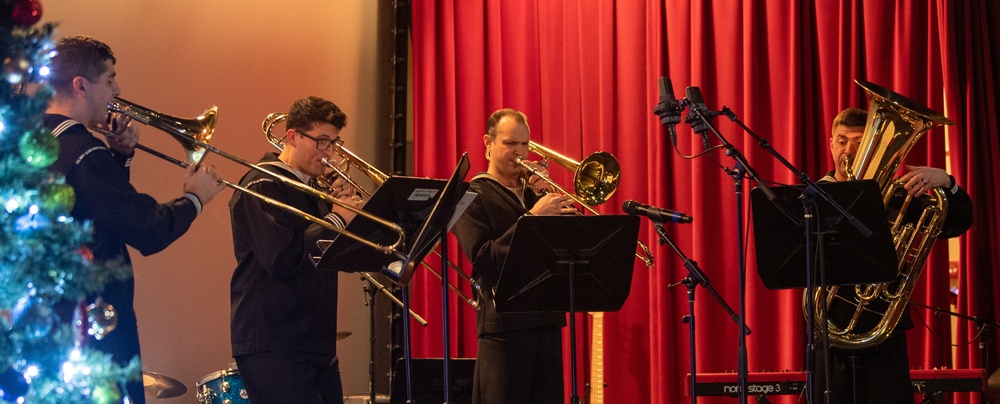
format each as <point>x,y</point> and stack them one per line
<point>84,79</point>
<point>520,354</point>
<point>284,310</point>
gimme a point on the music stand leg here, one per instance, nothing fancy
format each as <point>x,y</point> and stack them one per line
<point>370,291</point>
<point>407,355</point>
<point>445,357</point>
<point>574,398</point>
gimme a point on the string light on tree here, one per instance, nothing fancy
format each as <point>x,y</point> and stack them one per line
<point>45,354</point>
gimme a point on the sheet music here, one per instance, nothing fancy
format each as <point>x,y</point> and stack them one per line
<point>463,204</point>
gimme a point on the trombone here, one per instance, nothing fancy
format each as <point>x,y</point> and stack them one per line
<point>349,159</point>
<point>194,135</point>
<point>595,180</point>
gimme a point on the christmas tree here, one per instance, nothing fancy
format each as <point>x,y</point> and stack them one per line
<point>46,270</point>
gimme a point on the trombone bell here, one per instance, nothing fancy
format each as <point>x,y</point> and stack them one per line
<point>200,128</point>
<point>595,178</point>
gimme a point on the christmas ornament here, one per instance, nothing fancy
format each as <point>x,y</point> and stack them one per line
<point>107,394</point>
<point>57,198</point>
<point>39,148</point>
<point>12,384</point>
<point>32,318</point>
<point>16,69</point>
<point>102,318</point>
<point>26,13</point>
<point>87,254</point>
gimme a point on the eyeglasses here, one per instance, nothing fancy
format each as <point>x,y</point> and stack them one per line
<point>323,144</point>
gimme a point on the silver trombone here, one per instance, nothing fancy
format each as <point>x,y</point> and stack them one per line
<point>349,159</point>
<point>194,135</point>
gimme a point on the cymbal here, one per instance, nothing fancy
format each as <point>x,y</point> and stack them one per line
<point>343,334</point>
<point>160,386</point>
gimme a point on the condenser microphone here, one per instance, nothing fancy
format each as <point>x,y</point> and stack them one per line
<point>657,214</point>
<point>699,126</point>
<point>669,109</point>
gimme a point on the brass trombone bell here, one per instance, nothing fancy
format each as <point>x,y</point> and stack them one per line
<point>595,178</point>
<point>200,128</point>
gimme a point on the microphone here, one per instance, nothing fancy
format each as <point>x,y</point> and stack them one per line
<point>698,125</point>
<point>657,214</point>
<point>669,109</point>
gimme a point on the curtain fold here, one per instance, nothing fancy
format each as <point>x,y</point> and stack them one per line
<point>585,73</point>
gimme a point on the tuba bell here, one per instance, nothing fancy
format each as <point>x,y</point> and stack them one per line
<point>862,316</point>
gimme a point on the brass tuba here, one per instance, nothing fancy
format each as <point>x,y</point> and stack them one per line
<point>864,315</point>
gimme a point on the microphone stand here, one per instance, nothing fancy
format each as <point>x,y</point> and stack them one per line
<point>981,325</point>
<point>695,277</point>
<point>811,191</point>
<point>742,169</point>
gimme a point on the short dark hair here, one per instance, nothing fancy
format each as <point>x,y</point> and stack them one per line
<point>78,56</point>
<point>494,120</point>
<point>850,117</point>
<point>311,110</point>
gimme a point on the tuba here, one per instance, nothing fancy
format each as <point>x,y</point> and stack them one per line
<point>861,316</point>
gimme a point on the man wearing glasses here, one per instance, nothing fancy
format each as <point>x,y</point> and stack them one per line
<point>284,310</point>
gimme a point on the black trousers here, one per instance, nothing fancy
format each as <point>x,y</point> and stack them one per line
<point>878,375</point>
<point>519,367</point>
<point>291,377</point>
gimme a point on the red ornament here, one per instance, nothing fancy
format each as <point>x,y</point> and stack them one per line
<point>26,13</point>
<point>87,254</point>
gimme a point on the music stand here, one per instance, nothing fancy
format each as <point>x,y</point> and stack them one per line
<point>568,264</point>
<point>845,256</point>
<point>407,201</point>
<point>435,227</point>
<point>849,257</point>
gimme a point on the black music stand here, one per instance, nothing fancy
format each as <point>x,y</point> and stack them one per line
<point>432,229</point>
<point>436,225</point>
<point>407,201</point>
<point>845,256</point>
<point>568,264</point>
<point>849,259</point>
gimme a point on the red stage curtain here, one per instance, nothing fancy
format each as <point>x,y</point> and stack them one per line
<point>585,73</point>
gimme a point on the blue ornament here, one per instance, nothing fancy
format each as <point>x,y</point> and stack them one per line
<point>13,385</point>
<point>32,318</point>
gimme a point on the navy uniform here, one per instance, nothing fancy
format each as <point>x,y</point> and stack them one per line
<point>520,354</point>
<point>120,216</point>
<point>281,304</point>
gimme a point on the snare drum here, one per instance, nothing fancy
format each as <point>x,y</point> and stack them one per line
<point>222,387</point>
